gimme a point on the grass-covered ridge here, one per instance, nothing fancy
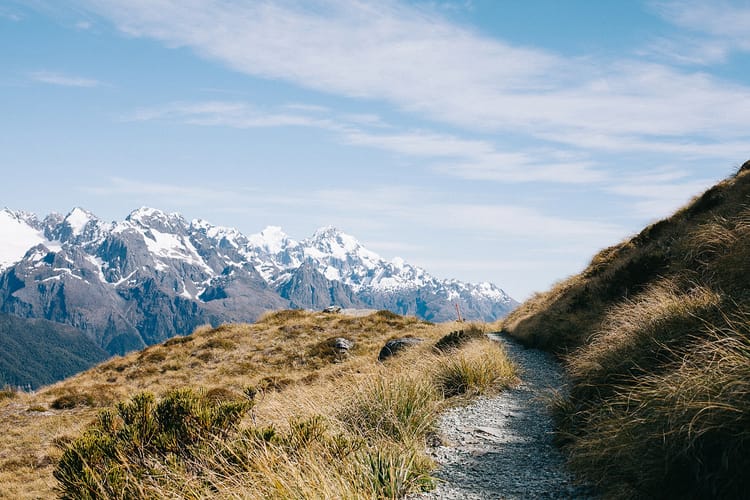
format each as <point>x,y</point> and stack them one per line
<point>277,411</point>
<point>655,335</point>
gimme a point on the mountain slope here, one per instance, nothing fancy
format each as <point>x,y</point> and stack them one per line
<point>288,358</point>
<point>137,282</point>
<point>655,335</point>
<point>27,345</point>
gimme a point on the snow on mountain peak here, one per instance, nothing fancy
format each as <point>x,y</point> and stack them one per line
<point>146,216</point>
<point>326,232</point>
<point>272,240</point>
<point>229,234</point>
<point>17,235</point>
<point>77,220</point>
<point>330,241</point>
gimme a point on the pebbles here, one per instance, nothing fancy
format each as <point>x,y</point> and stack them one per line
<point>501,446</point>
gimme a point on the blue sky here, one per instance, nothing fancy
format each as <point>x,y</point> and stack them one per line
<point>484,140</point>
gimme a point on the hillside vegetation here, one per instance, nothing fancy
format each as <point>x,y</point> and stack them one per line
<point>655,335</point>
<point>264,410</point>
<point>34,352</point>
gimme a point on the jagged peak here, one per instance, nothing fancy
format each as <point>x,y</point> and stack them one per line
<point>78,218</point>
<point>327,232</point>
<point>330,234</point>
<point>272,239</point>
<point>20,215</point>
<point>146,216</point>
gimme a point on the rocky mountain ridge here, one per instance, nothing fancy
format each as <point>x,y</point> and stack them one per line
<point>154,275</point>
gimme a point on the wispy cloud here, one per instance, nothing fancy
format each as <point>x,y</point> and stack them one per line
<point>53,78</point>
<point>423,207</point>
<point>230,114</point>
<point>414,58</point>
<point>155,193</point>
<point>10,15</point>
<point>717,28</point>
<point>659,193</point>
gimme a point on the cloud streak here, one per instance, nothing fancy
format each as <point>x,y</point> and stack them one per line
<point>471,159</point>
<point>63,80</point>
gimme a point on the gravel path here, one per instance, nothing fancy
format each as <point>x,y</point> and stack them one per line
<point>501,446</point>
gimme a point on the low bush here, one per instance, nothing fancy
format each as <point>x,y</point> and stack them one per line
<point>458,338</point>
<point>112,457</point>
<point>72,400</point>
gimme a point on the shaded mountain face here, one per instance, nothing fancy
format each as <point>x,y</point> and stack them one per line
<point>154,275</point>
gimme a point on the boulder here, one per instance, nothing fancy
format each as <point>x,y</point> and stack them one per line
<point>393,346</point>
<point>342,345</point>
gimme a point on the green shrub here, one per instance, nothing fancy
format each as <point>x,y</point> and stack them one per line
<point>113,456</point>
<point>393,472</point>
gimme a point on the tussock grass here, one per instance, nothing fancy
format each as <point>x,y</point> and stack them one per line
<point>655,336</point>
<point>688,428</point>
<point>482,366</point>
<point>401,408</point>
<point>637,335</point>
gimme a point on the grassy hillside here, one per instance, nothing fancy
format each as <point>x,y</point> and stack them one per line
<point>38,352</point>
<point>268,410</point>
<point>655,335</point>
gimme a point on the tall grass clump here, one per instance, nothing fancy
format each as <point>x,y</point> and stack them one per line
<point>7,393</point>
<point>637,336</point>
<point>403,409</point>
<point>481,366</point>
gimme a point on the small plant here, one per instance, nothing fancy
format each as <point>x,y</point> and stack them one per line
<point>219,344</point>
<point>395,472</point>
<point>458,338</point>
<point>7,393</point>
<point>179,340</point>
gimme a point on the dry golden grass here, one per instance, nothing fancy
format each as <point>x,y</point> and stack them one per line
<point>654,335</point>
<point>286,357</point>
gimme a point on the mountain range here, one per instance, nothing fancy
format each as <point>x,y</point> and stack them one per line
<point>154,275</point>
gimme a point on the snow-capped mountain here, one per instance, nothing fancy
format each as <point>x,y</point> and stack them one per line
<point>139,281</point>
